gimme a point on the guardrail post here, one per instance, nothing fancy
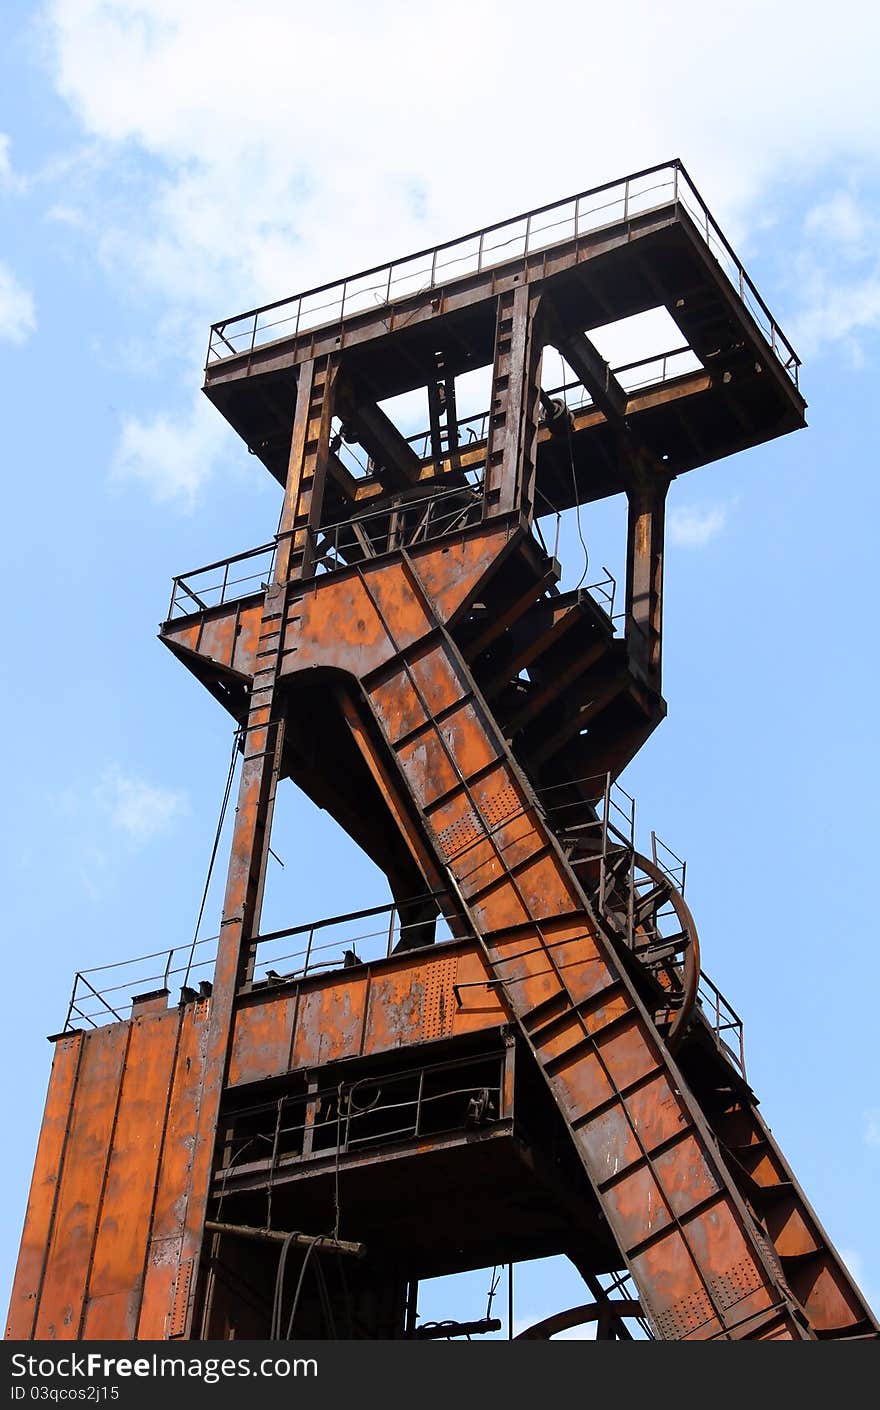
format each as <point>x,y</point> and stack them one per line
<point>308,951</point>
<point>391,931</point>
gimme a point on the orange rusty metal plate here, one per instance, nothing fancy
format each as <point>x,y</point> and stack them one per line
<point>113,1317</point>
<point>262,1037</point>
<point>44,1188</point>
<point>174,1176</point>
<point>437,677</point>
<point>82,1182</point>
<point>123,1227</point>
<point>830,1303</point>
<point>452,574</point>
<point>217,641</point>
<point>330,1023</point>
<point>247,639</point>
<point>394,1003</point>
<point>791,1234</point>
<point>397,706</point>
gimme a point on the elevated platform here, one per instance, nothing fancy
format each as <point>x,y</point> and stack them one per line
<point>610,253</point>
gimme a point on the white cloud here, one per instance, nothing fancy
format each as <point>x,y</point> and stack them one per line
<point>289,154</point>
<point>872,1128</point>
<point>839,218</point>
<point>18,317</point>
<point>293,145</point>
<point>10,179</point>
<point>838,312</point>
<point>140,810</point>
<point>61,214</point>
<point>837,274</point>
<point>689,526</point>
<point>170,456</point>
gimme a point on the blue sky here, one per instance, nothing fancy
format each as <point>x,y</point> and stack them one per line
<point>163,165</point>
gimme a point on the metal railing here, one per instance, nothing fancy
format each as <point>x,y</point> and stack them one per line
<point>394,525</point>
<point>611,203</point>
<point>603,835</point>
<point>104,993</point>
<point>423,1101</point>
<point>341,941</point>
<point>400,522</point>
<point>724,1021</point>
<point>227,580</point>
<point>669,862</point>
<point>651,371</point>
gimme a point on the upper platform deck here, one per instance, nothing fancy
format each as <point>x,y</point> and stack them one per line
<point>645,241</point>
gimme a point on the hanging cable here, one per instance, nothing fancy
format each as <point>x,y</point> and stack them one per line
<point>299,1286</point>
<point>278,1298</point>
<point>224,805</point>
<point>337,1208</point>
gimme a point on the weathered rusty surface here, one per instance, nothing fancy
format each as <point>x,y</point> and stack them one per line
<point>110,1184</point>
<point>487,829</point>
<point>48,1169</point>
<point>394,1003</point>
<point>81,1187</point>
<point>133,1163</point>
<point>172,1193</point>
<point>435,655</point>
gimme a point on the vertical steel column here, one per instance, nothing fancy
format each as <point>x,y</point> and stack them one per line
<point>513,414</point>
<point>306,468</point>
<point>261,768</point>
<point>644,574</point>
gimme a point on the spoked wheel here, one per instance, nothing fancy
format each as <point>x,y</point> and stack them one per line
<point>651,917</point>
<point>610,1318</point>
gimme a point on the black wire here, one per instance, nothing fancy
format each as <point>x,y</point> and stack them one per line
<point>337,1209</point>
<point>302,1273</point>
<point>275,1329</point>
<point>226,793</point>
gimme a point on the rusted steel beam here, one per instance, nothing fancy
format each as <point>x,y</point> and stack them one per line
<point>307,468</point>
<point>511,442</point>
<point>599,690</point>
<point>646,525</point>
<point>588,365</point>
<point>323,1243</point>
<point>398,465</point>
<point>540,697</point>
<point>500,622</point>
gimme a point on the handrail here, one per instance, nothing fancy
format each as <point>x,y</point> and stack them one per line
<point>342,292</point>
<point>449,244</point>
<point>90,1001</point>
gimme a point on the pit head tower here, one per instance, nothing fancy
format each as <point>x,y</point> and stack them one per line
<point>521,1055</point>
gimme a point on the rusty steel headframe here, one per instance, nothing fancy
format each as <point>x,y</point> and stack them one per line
<point>402,651</point>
